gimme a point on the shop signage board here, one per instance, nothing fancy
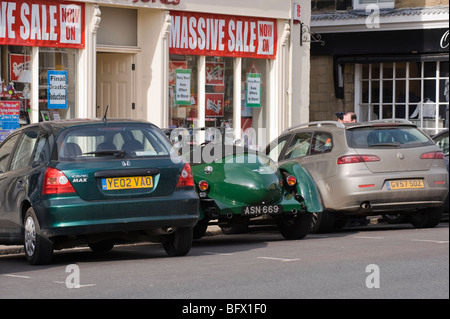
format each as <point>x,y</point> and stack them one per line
<point>222,35</point>
<point>57,89</point>
<point>42,23</point>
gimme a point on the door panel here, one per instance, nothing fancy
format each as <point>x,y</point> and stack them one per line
<point>115,85</point>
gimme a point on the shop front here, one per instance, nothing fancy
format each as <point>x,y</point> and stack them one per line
<point>40,44</point>
<point>197,64</point>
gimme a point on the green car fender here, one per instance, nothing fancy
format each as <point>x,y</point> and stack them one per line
<point>306,186</point>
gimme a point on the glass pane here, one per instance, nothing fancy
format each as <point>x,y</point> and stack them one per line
<point>387,91</point>
<point>57,69</point>
<point>430,69</point>
<point>375,71</point>
<point>183,112</point>
<point>365,71</point>
<point>219,92</point>
<point>388,72</point>
<point>400,70</point>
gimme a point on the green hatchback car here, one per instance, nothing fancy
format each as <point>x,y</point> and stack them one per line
<point>95,182</point>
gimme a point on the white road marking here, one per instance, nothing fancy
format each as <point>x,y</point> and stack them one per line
<point>75,286</point>
<point>284,260</point>
<point>432,241</point>
<point>367,237</point>
<point>17,276</point>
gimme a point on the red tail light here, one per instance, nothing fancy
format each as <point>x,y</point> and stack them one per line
<point>186,177</point>
<point>432,155</point>
<point>352,159</point>
<point>55,182</point>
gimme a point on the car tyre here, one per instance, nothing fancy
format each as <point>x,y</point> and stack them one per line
<point>200,229</point>
<point>295,227</point>
<point>179,243</point>
<point>322,222</point>
<point>427,218</point>
<point>38,248</point>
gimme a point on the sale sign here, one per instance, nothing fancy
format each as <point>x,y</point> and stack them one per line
<point>42,23</point>
<point>214,104</point>
<point>222,35</point>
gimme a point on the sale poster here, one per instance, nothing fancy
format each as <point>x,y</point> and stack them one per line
<point>9,118</point>
<point>215,73</point>
<point>253,90</point>
<point>57,89</point>
<point>214,104</point>
<point>183,87</point>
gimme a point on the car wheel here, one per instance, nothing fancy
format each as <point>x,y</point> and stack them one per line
<point>427,218</point>
<point>200,229</point>
<point>295,227</point>
<point>179,243</point>
<point>322,222</point>
<point>395,218</point>
<point>38,248</point>
<point>102,246</point>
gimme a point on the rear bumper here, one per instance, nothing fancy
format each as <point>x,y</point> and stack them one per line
<point>72,216</point>
<point>366,195</point>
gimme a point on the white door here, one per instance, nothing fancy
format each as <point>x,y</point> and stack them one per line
<point>115,85</point>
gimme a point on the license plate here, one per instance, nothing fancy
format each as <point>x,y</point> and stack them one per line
<point>405,184</point>
<point>262,210</point>
<point>135,182</point>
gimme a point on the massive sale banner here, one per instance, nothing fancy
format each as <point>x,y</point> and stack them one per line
<point>42,23</point>
<point>222,35</point>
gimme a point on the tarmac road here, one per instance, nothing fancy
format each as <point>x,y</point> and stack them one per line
<point>378,261</point>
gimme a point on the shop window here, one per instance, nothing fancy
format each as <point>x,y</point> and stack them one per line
<point>15,86</point>
<point>415,91</point>
<point>57,77</point>
<point>183,92</point>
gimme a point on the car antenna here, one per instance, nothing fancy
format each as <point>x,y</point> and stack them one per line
<point>106,112</point>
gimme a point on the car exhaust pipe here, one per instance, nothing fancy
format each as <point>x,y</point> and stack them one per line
<point>168,230</point>
<point>294,211</point>
<point>366,205</point>
<point>230,216</point>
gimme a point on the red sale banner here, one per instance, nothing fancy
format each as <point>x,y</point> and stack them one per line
<point>222,35</point>
<point>42,23</point>
<point>214,104</point>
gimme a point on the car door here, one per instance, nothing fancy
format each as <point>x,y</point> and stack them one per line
<point>6,150</point>
<point>14,182</point>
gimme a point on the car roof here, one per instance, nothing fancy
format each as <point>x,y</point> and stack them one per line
<point>57,126</point>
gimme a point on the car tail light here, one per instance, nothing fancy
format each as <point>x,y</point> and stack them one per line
<point>352,159</point>
<point>186,177</point>
<point>291,180</point>
<point>203,186</point>
<point>432,155</point>
<point>55,182</point>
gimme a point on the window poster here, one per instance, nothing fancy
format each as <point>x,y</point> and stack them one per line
<point>57,89</point>
<point>183,87</point>
<point>253,90</point>
<point>9,118</point>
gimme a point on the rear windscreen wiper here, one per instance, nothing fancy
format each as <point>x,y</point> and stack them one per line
<point>106,153</point>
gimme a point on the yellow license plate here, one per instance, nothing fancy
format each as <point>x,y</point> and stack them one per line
<point>405,184</point>
<point>134,182</point>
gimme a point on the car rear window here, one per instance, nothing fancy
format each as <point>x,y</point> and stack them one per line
<point>112,140</point>
<point>386,136</point>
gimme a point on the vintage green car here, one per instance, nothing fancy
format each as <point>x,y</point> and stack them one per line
<point>237,185</point>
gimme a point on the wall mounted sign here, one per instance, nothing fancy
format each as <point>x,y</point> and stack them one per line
<point>222,35</point>
<point>9,118</point>
<point>42,23</point>
<point>253,90</point>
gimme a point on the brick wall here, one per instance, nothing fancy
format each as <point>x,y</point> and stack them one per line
<point>323,102</point>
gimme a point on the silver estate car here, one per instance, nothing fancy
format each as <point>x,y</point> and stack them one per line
<point>364,169</point>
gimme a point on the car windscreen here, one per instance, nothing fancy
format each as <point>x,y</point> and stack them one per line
<point>386,137</point>
<point>90,142</point>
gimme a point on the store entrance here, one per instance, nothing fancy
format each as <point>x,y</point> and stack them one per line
<point>115,85</point>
